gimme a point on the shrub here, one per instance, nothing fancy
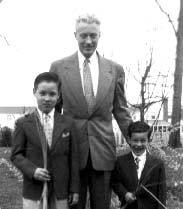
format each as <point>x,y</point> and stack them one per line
<point>6,137</point>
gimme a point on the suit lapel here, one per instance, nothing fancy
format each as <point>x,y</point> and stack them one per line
<point>149,164</point>
<point>104,81</point>
<point>74,84</point>
<point>133,174</point>
<point>58,129</point>
<point>73,81</point>
<point>33,128</point>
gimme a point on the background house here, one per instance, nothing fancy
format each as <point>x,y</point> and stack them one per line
<point>8,115</point>
<point>157,116</point>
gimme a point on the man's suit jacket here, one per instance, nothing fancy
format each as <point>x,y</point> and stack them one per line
<point>63,161</point>
<point>94,128</point>
<point>124,179</point>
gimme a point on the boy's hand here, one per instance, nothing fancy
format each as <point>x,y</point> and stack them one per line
<point>41,174</point>
<point>130,197</point>
<point>73,199</point>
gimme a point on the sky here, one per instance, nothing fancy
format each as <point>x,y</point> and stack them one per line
<point>35,33</point>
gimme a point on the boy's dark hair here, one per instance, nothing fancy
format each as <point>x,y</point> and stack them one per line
<point>139,127</point>
<point>48,77</point>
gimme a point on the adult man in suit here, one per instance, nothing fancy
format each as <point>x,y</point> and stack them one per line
<point>93,90</point>
<point>45,149</point>
<point>139,177</point>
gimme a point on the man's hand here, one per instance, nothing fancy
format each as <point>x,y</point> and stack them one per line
<point>130,197</point>
<point>41,174</point>
<point>73,199</point>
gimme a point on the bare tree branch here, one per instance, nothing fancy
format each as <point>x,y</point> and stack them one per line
<point>168,16</point>
<point>138,106</point>
<point>129,71</point>
<point>5,39</point>
<point>155,84</point>
<point>139,69</point>
<point>148,68</point>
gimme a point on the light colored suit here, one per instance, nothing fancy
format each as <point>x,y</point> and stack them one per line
<point>95,128</point>
<point>97,148</point>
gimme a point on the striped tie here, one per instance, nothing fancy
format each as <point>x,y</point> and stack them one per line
<point>88,86</point>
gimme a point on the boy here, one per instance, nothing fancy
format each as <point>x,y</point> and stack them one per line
<point>139,178</point>
<point>45,149</point>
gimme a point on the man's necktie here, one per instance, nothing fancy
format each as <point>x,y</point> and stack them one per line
<point>88,86</point>
<point>48,129</point>
<point>137,160</point>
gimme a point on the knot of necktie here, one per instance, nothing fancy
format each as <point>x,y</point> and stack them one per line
<point>47,118</point>
<point>86,61</point>
<point>137,160</point>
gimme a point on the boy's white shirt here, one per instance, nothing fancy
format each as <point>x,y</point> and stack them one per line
<point>142,161</point>
<point>42,116</point>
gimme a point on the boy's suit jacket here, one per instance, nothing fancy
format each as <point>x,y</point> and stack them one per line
<point>62,156</point>
<point>94,128</point>
<point>124,179</point>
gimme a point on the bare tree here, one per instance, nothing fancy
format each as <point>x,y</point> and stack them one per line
<point>174,140</point>
<point>147,97</point>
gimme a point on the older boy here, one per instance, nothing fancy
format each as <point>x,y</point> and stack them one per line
<point>139,178</point>
<point>45,149</point>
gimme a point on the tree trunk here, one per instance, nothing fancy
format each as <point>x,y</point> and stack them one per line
<point>174,140</point>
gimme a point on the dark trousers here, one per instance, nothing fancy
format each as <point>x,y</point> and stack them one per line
<point>98,185</point>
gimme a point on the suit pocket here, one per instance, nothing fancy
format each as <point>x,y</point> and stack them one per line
<point>64,145</point>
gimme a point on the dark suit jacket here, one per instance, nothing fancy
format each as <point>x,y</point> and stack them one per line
<point>63,163</point>
<point>94,128</point>
<point>124,179</point>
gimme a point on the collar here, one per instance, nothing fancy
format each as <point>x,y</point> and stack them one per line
<point>41,114</point>
<point>81,58</point>
<point>141,157</point>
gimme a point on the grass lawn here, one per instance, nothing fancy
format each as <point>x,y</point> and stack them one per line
<point>11,184</point>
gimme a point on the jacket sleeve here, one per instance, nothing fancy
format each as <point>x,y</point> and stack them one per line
<point>74,161</point>
<point>116,182</point>
<point>121,111</point>
<point>18,152</point>
<point>162,186</point>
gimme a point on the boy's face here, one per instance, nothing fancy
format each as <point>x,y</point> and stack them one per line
<point>138,142</point>
<point>46,95</point>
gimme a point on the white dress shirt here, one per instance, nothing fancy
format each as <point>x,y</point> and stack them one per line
<point>42,116</point>
<point>142,161</point>
<point>94,68</point>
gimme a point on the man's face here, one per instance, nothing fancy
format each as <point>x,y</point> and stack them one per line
<point>138,142</point>
<point>46,95</point>
<point>87,36</point>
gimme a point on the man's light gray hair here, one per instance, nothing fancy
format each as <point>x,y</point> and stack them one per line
<point>87,18</point>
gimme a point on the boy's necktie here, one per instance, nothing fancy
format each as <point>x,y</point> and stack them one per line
<point>88,86</point>
<point>48,129</point>
<point>137,160</point>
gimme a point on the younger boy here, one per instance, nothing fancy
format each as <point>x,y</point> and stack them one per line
<point>139,177</point>
<point>45,149</point>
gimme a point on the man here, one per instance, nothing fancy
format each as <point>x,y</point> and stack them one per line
<point>93,90</point>
<point>45,150</point>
